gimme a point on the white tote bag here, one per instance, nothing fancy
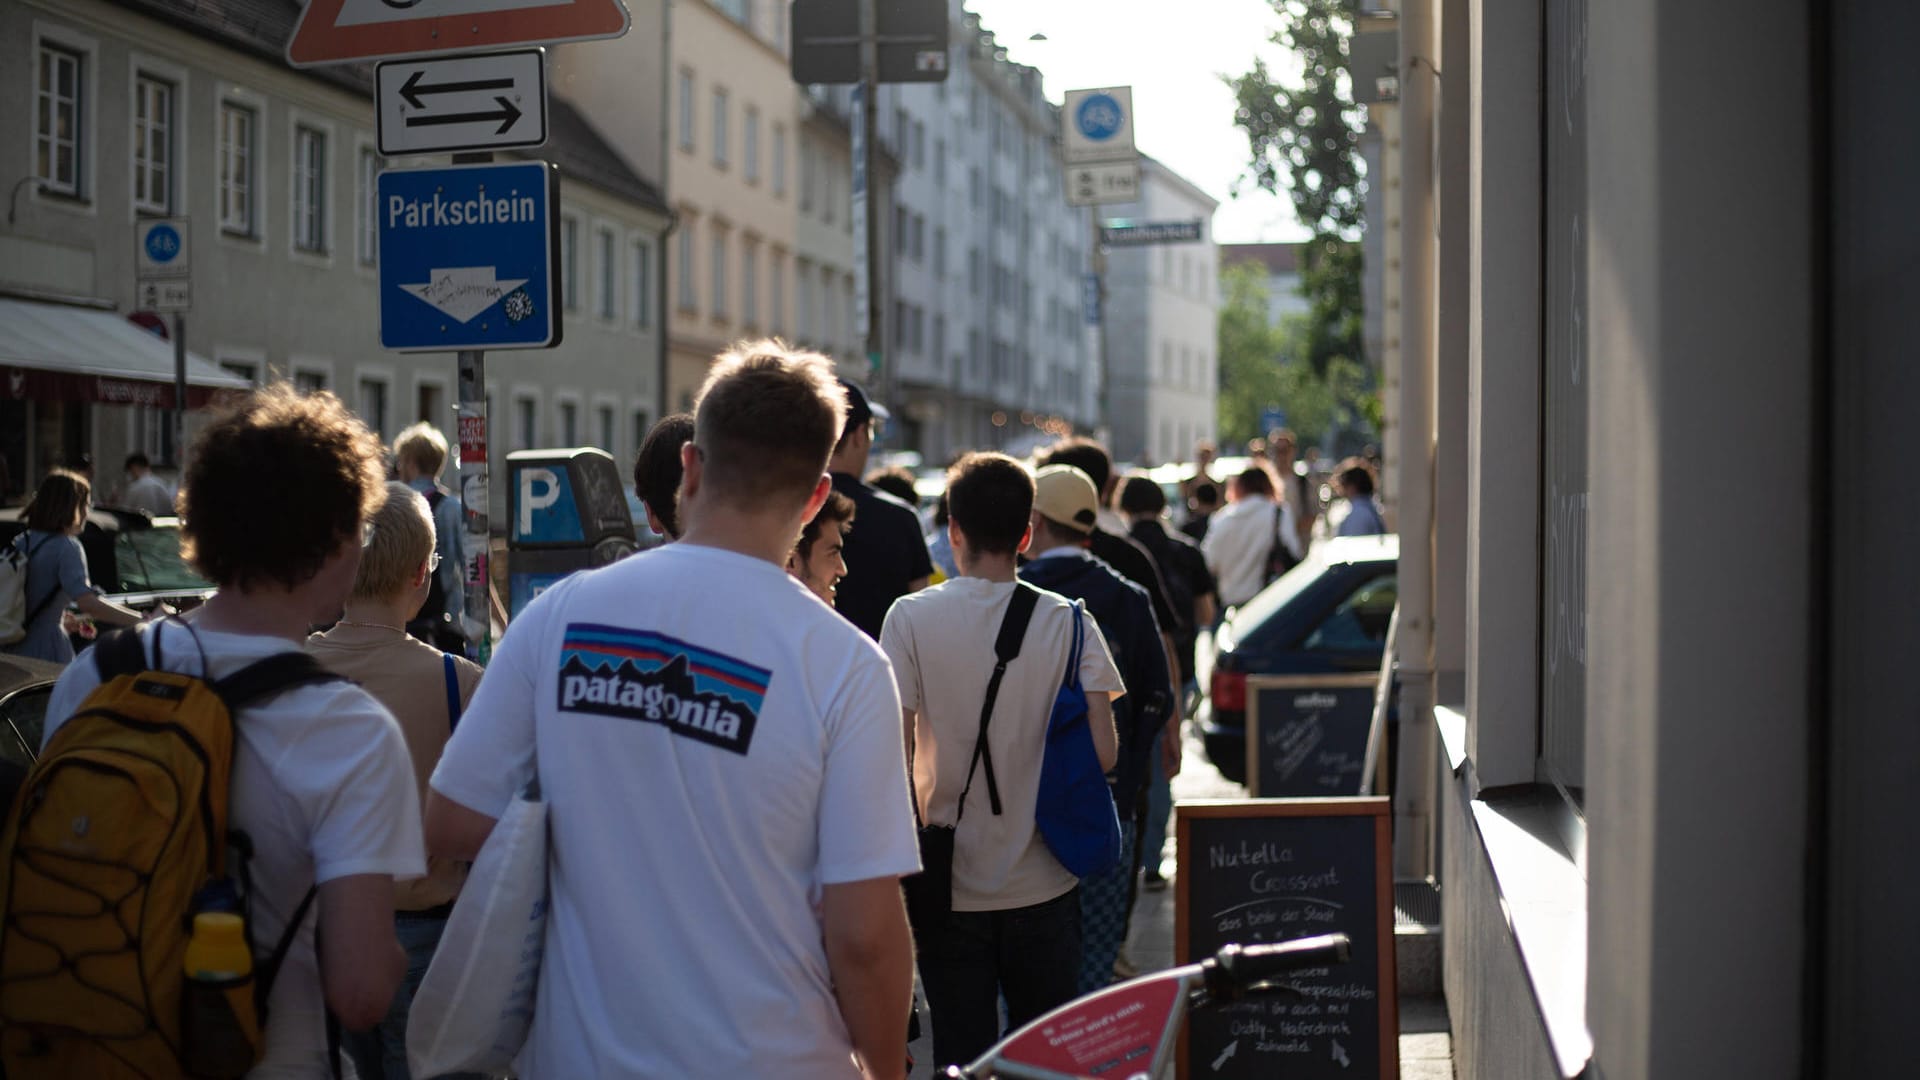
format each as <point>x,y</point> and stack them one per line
<point>473,1008</point>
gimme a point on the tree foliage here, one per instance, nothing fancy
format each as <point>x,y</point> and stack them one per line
<point>1265,366</point>
<point>1303,139</point>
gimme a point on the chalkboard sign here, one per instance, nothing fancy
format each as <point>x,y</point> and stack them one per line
<point>1274,870</point>
<point>1307,734</point>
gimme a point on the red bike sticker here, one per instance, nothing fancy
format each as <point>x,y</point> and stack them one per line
<point>1113,1033</point>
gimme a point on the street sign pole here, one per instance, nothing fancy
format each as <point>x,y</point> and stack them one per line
<point>869,118</point>
<point>180,393</point>
<point>470,381</point>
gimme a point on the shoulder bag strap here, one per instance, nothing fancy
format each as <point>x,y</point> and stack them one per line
<point>264,678</point>
<point>117,653</point>
<point>26,581</point>
<point>453,691</point>
<point>1013,630</point>
<point>1072,681</point>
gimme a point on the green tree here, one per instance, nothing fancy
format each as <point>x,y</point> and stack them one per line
<point>1303,138</point>
<point>1250,352</point>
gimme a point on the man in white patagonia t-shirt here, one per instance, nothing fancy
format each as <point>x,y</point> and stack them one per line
<point>1014,931</point>
<point>726,783</point>
<point>274,508</point>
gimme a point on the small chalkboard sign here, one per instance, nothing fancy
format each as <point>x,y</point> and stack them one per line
<point>1307,734</point>
<point>1274,870</point>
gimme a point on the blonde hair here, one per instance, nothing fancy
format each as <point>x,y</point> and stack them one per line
<point>423,447</point>
<point>402,540</point>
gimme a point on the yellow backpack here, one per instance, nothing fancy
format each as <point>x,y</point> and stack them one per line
<point>116,839</point>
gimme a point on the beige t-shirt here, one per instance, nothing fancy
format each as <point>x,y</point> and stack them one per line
<point>941,643</point>
<point>407,676</point>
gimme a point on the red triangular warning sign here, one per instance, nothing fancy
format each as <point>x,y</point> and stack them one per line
<point>348,31</point>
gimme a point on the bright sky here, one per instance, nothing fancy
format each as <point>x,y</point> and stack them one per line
<point>1172,54</point>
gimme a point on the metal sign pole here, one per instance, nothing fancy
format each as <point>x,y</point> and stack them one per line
<point>180,393</point>
<point>869,115</point>
<point>470,381</point>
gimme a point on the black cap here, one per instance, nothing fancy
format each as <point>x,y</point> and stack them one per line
<point>859,408</point>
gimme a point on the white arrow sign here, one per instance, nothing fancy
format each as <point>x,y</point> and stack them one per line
<point>460,103</point>
<point>464,291</point>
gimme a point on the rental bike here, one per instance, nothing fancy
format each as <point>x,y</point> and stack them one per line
<point>1131,1030</point>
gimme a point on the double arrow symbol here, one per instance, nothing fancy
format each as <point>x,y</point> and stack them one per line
<point>413,92</point>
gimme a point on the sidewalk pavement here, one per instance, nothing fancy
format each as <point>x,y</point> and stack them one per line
<point>1426,1048</point>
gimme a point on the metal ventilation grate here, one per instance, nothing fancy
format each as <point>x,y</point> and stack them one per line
<point>1416,905</point>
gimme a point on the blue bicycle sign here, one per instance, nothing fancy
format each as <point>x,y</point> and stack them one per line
<point>162,248</point>
<point>163,243</point>
<point>1099,117</point>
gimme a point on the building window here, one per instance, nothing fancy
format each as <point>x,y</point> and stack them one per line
<point>609,304</point>
<point>720,127</point>
<point>686,111</point>
<point>919,145</point>
<point>687,293</point>
<point>750,284</point>
<point>940,162</point>
<point>152,145</point>
<point>642,424</point>
<point>939,341</point>
<point>939,252</point>
<point>740,11</point>
<point>245,369</point>
<point>570,263</point>
<point>603,422</point>
<point>59,114</point>
<point>309,189</point>
<point>803,299</point>
<point>750,153</point>
<point>827,175</point>
<point>373,405</point>
<point>919,237</point>
<point>569,424</point>
<point>368,248</point>
<point>642,284</point>
<point>237,155</point>
<point>779,160</point>
<point>526,415</point>
<point>718,304</point>
<point>973,271</point>
<point>308,381</point>
<point>900,230</point>
<point>776,294</point>
<point>809,165</point>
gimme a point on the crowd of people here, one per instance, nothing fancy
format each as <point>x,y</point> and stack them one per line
<point>743,736</point>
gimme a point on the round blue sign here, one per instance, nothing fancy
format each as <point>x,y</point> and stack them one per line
<point>163,243</point>
<point>1098,117</point>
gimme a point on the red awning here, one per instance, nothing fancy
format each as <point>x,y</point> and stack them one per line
<point>64,352</point>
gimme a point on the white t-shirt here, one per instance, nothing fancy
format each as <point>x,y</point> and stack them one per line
<point>715,745</point>
<point>321,783</point>
<point>941,643</point>
<point>1238,543</point>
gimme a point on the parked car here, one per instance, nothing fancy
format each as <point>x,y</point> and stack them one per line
<point>1328,615</point>
<point>26,685</point>
<point>133,559</point>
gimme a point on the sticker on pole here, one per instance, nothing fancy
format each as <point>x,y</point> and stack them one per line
<point>348,31</point>
<point>467,257</point>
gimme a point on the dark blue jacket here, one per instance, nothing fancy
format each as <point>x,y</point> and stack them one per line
<point>1125,616</point>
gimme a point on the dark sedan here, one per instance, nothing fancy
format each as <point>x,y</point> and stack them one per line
<point>1328,615</point>
<point>26,685</point>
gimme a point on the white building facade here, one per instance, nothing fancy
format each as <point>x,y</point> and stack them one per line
<point>1161,321</point>
<point>986,325</point>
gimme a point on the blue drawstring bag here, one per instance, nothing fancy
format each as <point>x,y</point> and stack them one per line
<point>1075,810</point>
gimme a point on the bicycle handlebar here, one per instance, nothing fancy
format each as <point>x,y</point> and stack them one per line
<point>1236,968</point>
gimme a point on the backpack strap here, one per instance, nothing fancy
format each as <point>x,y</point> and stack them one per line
<point>264,678</point>
<point>269,970</point>
<point>453,690</point>
<point>119,652</point>
<point>1013,630</point>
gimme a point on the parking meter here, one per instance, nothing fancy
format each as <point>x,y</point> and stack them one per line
<point>569,512</point>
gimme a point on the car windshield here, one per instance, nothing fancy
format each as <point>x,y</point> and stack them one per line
<point>149,560</point>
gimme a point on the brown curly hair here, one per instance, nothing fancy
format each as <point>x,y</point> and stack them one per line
<point>275,485</point>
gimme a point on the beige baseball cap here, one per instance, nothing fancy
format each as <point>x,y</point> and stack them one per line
<point>1065,496</point>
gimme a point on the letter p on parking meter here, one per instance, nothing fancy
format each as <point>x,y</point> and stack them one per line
<point>569,512</point>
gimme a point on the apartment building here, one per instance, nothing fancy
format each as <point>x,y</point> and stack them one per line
<point>151,108</point>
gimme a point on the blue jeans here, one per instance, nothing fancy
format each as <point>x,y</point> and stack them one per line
<point>381,1052</point>
<point>1159,808</point>
<point>1029,955</point>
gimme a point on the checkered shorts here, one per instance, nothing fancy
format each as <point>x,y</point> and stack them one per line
<point>1103,917</point>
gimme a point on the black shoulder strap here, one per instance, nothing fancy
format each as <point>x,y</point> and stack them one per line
<point>1013,630</point>
<point>119,652</point>
<point>264,678</point>
<point>269,970</point>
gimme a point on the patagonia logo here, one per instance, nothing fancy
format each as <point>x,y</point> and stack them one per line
<point>162,690</point>
<point>636,675</point>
